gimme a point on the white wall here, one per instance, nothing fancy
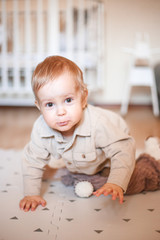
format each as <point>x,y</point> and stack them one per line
<point>123,18</point>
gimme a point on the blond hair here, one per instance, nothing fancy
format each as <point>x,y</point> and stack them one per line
<point>51,68</point>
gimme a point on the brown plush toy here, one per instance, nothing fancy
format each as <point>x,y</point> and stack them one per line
<point>145,177</point>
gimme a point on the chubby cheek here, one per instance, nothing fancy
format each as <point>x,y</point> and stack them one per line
<point>77,114</point>
<point>49,119</point>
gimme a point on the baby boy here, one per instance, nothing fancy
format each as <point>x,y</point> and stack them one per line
<point>88,138</point>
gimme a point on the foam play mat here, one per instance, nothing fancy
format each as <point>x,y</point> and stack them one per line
<point>68,217</point>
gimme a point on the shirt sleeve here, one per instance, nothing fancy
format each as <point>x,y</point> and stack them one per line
<point>114,139</point>
<point>33,162</point>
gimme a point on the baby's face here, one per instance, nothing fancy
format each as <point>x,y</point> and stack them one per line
<point>61,104</point>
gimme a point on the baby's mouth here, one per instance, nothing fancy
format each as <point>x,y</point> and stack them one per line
<point>61,124</point>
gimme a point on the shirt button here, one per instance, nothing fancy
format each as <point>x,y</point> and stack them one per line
<point>83,156</point>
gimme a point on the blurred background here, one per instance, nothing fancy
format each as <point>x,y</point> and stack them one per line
<point>110,40</point>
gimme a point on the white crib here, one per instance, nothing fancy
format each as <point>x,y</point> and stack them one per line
<point>31,30</point>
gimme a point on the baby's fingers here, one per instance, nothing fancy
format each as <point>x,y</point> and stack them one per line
<point>98,192</point>
<point>22,204</point>
<point>117,194</point>
<point>103,191</point>
<point>30,205</point>
<point>121,197</point>
<point>31,202</point>
<point>43,203</point>
<point>34,205</point>
<point>26,205</point>
<point>107,191</point>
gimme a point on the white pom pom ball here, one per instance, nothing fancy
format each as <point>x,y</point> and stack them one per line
<point>84,189</point>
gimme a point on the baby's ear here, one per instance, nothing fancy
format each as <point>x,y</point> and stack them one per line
<point>84,98</point>
<point>37,104</point>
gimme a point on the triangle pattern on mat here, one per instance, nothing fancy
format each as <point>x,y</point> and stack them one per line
<point>97,209</point>
<point>44,209</point>
<point>38,230</point>
<point>126,219</point>
<point>14,218</point>
<point>69,219</point>
<point>150,209</point>
<point>98,231</point>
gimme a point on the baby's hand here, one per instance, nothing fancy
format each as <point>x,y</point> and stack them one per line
<point>31,202</point>
<point>110,188</point>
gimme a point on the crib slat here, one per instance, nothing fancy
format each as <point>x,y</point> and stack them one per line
<point>4,26</point>
<point>53,27</point>
<point>100,46</point>
<point>3,60</point>
<point>27,27</point>
<point>16,73</point>
<point>15,28</point>
<point>89,26</point>
<point>81,35</point>
<point>69,29</point>
<point>28,44</point>
<point>40,28</point>
<point>81,25</point>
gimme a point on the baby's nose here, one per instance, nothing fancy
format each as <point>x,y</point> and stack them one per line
<point>61,110</point>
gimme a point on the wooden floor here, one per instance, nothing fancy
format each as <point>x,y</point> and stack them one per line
<point>16,124</point>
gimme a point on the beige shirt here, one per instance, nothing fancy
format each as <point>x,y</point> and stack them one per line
<point>101,137</point>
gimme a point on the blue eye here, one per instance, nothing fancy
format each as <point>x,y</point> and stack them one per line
<point>68,100</point>
<point>50,104</point>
